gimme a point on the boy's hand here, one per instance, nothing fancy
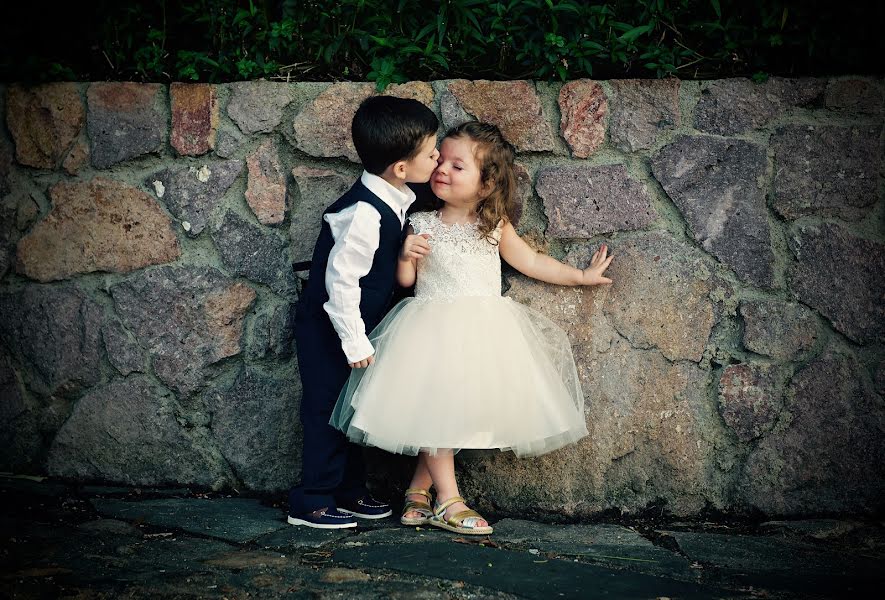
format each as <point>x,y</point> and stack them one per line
<point>363,363</point>
<point>592,275</point>
<point>415,246</point>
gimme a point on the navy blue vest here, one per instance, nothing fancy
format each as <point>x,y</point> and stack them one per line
<point>378,284</point>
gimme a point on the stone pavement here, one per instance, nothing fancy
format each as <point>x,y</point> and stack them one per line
<point>117,542</point>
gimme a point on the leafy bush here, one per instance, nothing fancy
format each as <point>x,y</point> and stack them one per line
<point>397,40</point>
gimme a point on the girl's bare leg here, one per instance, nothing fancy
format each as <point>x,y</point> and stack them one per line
<point>442,471</point>
<point>421,480</point>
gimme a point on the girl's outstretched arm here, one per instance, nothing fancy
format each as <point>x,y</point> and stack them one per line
<point>415,247</point>
<point>536,265</point>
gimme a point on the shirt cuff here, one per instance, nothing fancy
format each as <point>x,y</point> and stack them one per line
<point>357,349</point>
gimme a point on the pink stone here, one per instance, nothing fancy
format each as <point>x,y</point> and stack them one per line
<point>194,118</point>
<point>44,122</point>
<point>583,106</point>
<point>266,191</point>
<point>513,106</point>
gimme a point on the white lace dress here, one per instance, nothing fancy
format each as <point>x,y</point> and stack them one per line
<point>459,366</point>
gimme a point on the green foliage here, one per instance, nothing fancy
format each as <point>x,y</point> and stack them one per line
<point>389,41</point>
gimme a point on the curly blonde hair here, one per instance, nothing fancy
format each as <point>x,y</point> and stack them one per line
<point>495,156</point>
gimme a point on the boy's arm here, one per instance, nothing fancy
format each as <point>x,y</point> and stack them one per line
<point>537,265</point>
<point>356,231</point>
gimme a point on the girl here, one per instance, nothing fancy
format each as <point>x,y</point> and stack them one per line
<point>459,366</point>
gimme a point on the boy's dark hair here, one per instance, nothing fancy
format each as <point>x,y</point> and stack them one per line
<point>387,129</point>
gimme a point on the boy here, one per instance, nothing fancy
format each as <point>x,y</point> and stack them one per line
<point>352,278</point>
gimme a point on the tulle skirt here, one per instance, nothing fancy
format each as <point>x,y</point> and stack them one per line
<point>472,372</point>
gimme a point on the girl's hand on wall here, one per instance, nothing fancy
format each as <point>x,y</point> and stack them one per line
<point>593,275</point>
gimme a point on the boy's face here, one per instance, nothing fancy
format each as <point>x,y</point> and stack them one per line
<point>419,168</point>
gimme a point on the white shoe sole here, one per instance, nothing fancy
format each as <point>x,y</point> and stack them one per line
<point>362,516</point>
<point>294,521</point>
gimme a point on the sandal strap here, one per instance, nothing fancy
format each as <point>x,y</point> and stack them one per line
<point>423,492</point>
<point>441,508</point>
<point>417,506</point>
<point>457,520</point>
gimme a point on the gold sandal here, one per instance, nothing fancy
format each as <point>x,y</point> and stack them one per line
<point>422,508</point>
<point>462,522</point>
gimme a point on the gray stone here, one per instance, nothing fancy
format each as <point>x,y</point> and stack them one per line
<point>203,327</point>
<point>257,106</point>
<point>642,110</point>
<point>229,141</point>
<point>750,399</point>
<point>255,253</point>
<point>826,170</point>
<point>731,106</point>
<point>127,431</point>
<point>5,165</point>
<point>125,120</point>
<point>255,421</point>
<point>191,193</point>
<point>612,545</point>
<point>658,271</point>
<point>819,529</point>
<point>855,95</point>
<point>56,331</point>
<point>317,189</point>
<point>781,330</point>
<point>296,538</point>
<point>719,186</point>
<point>19,435</point>
<point>237,520</point>
<point>97,225</point>
<point>829,457</point>
<point>322,128</point>
<point>582,202</point>
<point>517,573</point>
<point>272,332</point>
<point>842,277</point>
<point>110,528</point>
<point>123,351</point>
<point>451,112</point>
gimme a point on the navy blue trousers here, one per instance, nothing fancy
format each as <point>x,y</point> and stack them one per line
<point>332,467</point>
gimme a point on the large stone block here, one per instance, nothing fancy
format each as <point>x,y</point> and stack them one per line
<point>781,330</point>
<point>19,436</point>
<point>272,332</point>
<point>257,106</point>
<point>255,422</point>
<point>719,185</point>
<point>255,253</point>
<point>99,225</point>
<point>583,106</point>
<point>317,189</point>
<point>128,432</point>
<point>843,277</point>
<point>187,318</point>
<point>266,191</point>
<point>642,110</point>
<point>750,399</point>
<point>661,295</point>
<point>125,120</point>
<point>192,193</point>
<point>194,117</point>
<point>513,106</point>
<point>855,95</point>
<point>56,331</point>
<point>5,166</point>
<point>826,170</point>
<point>731,106</point>
<point>828,456</point>
<point>322,128</point>
<point>585,201</point>
<point>44,121</point>
<point>123,351</point>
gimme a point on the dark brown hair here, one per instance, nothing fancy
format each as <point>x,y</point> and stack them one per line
<point>387,129</point>
<point>495,157</point>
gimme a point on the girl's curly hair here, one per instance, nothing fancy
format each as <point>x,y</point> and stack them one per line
<point>495,157</point>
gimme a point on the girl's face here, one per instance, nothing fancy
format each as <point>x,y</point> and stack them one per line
<point>457,178</point>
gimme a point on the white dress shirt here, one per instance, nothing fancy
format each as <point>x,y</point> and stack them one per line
<point>357,234</point>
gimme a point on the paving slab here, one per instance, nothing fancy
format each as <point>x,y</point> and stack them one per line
<point>612,545</point>
<point>232,519</point>
<point>35,486</point>
<point>820,529</point>
<point>292,538</point>
<point>518,573</point>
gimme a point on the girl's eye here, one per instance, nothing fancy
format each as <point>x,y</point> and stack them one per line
<point>459,168</point>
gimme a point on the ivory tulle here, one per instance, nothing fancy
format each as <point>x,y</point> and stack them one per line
<point>465,372</point>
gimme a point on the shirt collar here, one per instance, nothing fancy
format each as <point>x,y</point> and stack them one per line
<point>398,200</point>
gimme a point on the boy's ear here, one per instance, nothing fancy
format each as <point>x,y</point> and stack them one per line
<point>399,169</point>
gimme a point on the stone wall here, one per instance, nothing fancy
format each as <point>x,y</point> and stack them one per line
<point>736,364</point>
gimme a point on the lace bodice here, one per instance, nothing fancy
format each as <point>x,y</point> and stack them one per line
<point>461,261</point>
